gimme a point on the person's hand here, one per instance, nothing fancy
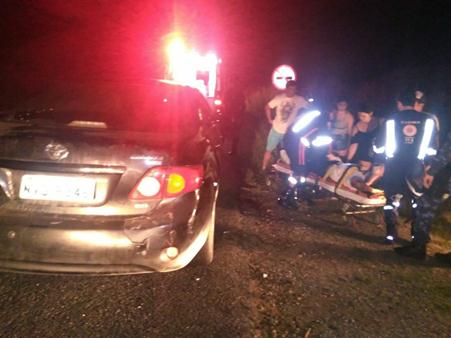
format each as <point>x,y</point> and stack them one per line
<point>333,158</point>
<point>428,180</point>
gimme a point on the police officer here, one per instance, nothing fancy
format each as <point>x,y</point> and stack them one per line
<point>405,140</point>
<point>439,176</point>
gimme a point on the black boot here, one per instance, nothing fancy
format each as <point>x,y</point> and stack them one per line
<point>412,250</point>
<point>289,199</point>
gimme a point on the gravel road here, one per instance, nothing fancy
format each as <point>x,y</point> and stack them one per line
<point>275,274</point>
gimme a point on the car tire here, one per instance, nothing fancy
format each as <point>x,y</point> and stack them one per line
<point>205,255</point>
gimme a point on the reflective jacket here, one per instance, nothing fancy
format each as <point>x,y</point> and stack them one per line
<point>407,136</point>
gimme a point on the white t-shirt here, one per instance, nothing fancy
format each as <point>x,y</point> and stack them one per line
<point>286,110</point>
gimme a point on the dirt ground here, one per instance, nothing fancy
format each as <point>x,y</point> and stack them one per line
<point>276,273</point>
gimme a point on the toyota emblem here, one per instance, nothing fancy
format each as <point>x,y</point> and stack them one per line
<point>56,151</point>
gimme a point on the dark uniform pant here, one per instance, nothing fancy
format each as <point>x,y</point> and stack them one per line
<point>428,205</point>
<point>396,193</point>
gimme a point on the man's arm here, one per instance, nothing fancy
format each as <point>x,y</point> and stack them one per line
<point>352,150</point>
<point>350,124</point>
<point>268,113</point>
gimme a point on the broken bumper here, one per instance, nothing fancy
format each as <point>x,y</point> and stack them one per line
<point>105,246</point>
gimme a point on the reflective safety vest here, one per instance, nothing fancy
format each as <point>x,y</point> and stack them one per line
<point>407,135</point>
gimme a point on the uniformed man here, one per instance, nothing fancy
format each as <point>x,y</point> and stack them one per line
<point>439,191</point>
<point>405,140</point>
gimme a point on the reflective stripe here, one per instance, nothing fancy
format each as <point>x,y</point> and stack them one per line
<point>305,120</point>
<point>388,207</point>
<point>431,152</point>
<point>292,180</point>
<point>305,142</point>
<point>390,238</point>
<point>390,142</point>
<point>427,137</point>
<point>379,150</point>
<point>322,140</point>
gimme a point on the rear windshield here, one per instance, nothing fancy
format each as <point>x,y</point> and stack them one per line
<point>157,107</point>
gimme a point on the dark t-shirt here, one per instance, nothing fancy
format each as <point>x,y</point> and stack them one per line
<point>365,143</point>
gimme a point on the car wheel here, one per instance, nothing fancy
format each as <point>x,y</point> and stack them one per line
<point>205,255</point>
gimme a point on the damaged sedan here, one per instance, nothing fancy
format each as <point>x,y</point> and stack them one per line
<point>113,179</point>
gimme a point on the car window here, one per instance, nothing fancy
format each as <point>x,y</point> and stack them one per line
<point>157,108</point>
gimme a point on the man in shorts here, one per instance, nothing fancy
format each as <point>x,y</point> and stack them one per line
<point>286,107</point>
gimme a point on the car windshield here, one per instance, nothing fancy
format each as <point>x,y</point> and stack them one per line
<point>156,107</point>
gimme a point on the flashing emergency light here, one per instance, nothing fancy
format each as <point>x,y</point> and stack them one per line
<point>186,66</point>
<point>305,120</point>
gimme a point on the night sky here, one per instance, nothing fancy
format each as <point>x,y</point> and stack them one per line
<point>344,46</point>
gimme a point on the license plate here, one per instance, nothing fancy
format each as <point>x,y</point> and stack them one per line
<point>57,188</point>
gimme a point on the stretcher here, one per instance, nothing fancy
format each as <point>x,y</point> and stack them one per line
<point>341,188</point>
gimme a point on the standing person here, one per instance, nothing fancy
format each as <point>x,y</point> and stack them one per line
<point>341,123</point>
<point>430,201</point>
<point>405,140</point>
<point>287,106</point>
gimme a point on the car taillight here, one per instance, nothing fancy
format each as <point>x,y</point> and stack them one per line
<point>166,182</point>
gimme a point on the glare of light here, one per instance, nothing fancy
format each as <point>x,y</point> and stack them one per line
<point>305,120</point>
<point>149,186</point>
<point>176,48</point>
<point>185,63</point>
<point>98,238</point>
<point>311,100</point>
<point>390,238</point>
<point>212,61</point>
<point>390,143</point>
<point>165,100</point>
<point>414,205</point>
<point>426,140</point>
<point>388,207</point>
<point>303,179</point>
<point>169,253</point>
<point>320,141</point>
<point>292,180</point>
<point>305,142</point>
<point>217,102</point>
<point>431,152</point>
<point>396,204</point>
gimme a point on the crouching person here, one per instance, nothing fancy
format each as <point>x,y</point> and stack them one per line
<point>306,143</point>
